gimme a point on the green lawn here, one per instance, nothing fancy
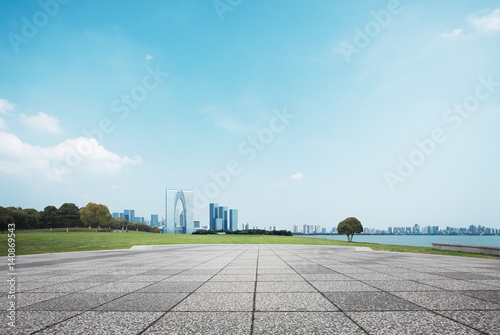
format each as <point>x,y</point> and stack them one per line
<point>44,241</point>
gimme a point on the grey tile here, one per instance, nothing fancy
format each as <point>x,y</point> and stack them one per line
<point>369,301</point>
<point>491,296</point>
<point>486,321</point>
<point>400,285</point>
<point>170,287</point>
<point>293,286</point>
<point>326,277</point>
<point>226,286</point>
<point>30,321</point>
<point>188,278</point>
<point>105,323</point>
<point>234,278</point>
<point>292,302</point>
<point>446,301</point>
<point>455,285</point>
<point>279,277</point>
<point>301,323</point>
<point>144,302</point>
<point>73,302</point>
<point>207,323</point>
<point>220,302</point>
<point>342,286</point>
<point>410,323</point>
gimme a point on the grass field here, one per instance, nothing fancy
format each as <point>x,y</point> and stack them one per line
<point>44,241</point>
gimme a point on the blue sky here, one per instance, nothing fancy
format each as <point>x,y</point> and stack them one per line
<point>316,110</point>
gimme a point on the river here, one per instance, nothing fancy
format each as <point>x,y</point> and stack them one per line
<point>419,240</point>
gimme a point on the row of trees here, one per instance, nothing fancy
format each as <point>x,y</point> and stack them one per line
<point>245,232</point>
<point>67,216</point>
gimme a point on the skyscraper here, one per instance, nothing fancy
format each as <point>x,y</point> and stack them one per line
<point>233,219</point>
<point>154,220</point>
<point>219,217</point>
<point>213,215</point>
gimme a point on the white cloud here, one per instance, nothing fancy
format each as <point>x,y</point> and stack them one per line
<point>3,125</point>
<point>297,176</point>
<point>56,163</point>
<point>453,34</point>
<point>149,57</point>
<point>42,121</point>
<point>486,23</point>
<point>6,106</point>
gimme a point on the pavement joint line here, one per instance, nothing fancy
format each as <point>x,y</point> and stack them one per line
<point>255,291</point>
<point>425,308</point>
<point>71,317</point>
<point>187,296</point>
<point>322,294</point>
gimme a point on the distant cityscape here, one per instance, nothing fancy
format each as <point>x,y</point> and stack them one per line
<point>414,230</point>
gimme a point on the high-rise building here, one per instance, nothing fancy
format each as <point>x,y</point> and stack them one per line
<point>295,229</point>
<point>219,217</point>
<point>233,219</point>
<point>213,215</point>
<point>154,220</point>
<point>129,214</point>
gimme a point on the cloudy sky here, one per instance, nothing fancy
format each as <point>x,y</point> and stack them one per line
<point>294,112</point>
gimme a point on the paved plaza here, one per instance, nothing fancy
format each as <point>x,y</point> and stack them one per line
<point>253,289</point>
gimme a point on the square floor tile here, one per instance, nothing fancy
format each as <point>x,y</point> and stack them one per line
<point>216,302</point>
<point>300,323</point>
<point>144,302</point>
<point>369,301</point>
<point>410,323</point>
<point>206,323</point>
<point>292,302</point>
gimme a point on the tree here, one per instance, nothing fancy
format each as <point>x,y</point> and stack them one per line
<point>95,215</point>
<point>49,217</point>
<point>349,227</point>
<point>68,215</point>
<point>5,218</point>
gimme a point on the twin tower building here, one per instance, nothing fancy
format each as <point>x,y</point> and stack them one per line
<point>179,213</point>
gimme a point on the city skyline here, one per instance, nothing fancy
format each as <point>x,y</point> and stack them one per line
<point>294,114</point>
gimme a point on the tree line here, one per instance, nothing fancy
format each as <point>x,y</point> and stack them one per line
<point>67,216</point>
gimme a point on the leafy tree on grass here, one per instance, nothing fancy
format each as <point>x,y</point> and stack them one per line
<point>349,227</point>
<point>68,215</point>
<point>48,217</point>
<point>5,218</point>
<point>95,215</point>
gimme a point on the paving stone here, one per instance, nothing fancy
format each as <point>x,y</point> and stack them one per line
<point>408,323</point>
<point>144,302</point>
<point>207,323</point>
<point>280,277</point>
<point>104,323</point>
<point>170,287</point>
<point>301,323</point>
<point>32,321</point>
<point>342,286</point>
<point>276,287</point>
<point>220,302</point>
<point>400,285</point>
<point>73,302</point>
<point>455,285</point>
<point>292,302</point>
<point>234,278</point>
<point>486,321</point>
<point>369,301</point>
<point>446,301</point>
<point>226,286</point>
